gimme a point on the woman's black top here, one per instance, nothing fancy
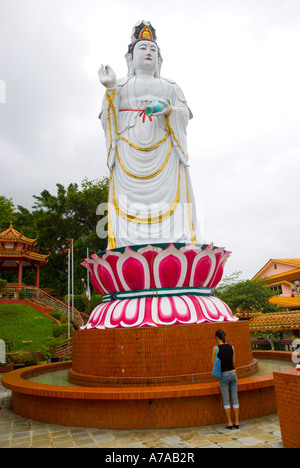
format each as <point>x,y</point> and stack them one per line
<point>225,355</point>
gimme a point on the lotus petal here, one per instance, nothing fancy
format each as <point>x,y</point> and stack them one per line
<point>112,258</point>
<point>133,271</point>
<point>150,253</point>
<point>203,267</point>
<point>153,267</point>
<point>104,275</point>
<point>89,265</point>
<point>218,273</point>
<point>170,267</point>
<point>190,252</point>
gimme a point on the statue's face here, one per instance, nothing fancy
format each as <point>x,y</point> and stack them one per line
<point>145,57</point>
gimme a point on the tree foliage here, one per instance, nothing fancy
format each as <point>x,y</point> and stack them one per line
<point>272,336</point>
<point>7,212</point>
<point>55,219</point>
<point>246,296</point>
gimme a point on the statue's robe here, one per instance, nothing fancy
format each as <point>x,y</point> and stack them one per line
<point>150,194</point>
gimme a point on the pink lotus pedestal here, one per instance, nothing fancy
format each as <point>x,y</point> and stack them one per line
<point>158,285</point>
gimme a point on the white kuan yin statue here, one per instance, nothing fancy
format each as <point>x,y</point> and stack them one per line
<point>145,120</point>
<point>157,270</point>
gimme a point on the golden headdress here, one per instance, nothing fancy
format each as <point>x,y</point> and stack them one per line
<point>142,30</point>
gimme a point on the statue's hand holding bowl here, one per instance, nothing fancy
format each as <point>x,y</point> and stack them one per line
<point>107,77</point>
<point>159,107</point>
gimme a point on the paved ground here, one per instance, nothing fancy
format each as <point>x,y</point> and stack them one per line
<point>18,432</point>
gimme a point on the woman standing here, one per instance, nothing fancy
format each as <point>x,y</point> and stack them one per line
<point>228,380</point>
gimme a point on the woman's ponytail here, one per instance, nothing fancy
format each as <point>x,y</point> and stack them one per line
<point>221,335</point>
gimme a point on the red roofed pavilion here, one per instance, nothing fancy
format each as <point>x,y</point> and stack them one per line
<point>17,253</point>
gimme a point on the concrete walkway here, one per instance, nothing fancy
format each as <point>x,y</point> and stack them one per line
<point>18,432</point>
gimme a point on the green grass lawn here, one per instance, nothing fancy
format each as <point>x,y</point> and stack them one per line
<point>24,323</point>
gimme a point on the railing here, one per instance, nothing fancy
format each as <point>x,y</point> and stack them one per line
<point>65,349</point>
<point>282,345</point>
<point>41,297</point>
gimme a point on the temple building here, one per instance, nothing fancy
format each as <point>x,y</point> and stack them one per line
<point>17,253</point>
<point>287,323</point>
<point>280,275</point>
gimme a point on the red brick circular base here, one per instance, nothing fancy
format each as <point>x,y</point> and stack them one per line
<point>172,355</point>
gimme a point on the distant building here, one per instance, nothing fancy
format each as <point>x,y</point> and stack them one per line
<point>287,323</point>
<point>18,253</point>
<point>280,275</point>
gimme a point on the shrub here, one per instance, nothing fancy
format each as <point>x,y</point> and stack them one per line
<point>56,331</point>
<point>60,330</point>
<point>83,304</point>
<point>9,344</point>
<point>96,300</point>
<point>57,315</point>
<point>31,358</point>
<point>21,295</point>
<point>18,358</point>
<point>79,302</point>
<point>3,283</point>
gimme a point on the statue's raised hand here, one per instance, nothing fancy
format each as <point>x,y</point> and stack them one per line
<point>107,77</point>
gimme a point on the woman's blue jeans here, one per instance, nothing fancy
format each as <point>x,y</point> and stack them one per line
<point>228,385</point>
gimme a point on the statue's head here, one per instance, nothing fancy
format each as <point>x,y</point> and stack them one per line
<point>143,52</point>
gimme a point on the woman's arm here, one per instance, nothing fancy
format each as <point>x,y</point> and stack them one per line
<point>214,355</point>
<point>233,357</point>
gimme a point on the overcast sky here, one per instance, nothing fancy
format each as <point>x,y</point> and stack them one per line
<point>238,63</point>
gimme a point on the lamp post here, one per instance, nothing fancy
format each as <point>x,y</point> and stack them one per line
<point>296,289</point>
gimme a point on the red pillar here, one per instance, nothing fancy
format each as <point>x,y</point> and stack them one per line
<point>37,279</point>
<point>20,274</point>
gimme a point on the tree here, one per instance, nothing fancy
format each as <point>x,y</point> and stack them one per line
<point>72,214</point>
<point>272,336</point>
<point>227,281</point>
<point>55,219</point>
<point>247,296</point>
<point>7,212</point>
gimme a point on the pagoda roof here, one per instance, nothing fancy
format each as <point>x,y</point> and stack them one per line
<point>17,254</point>
<point>19,247</point>
<point>275,321</point>
<point>12,235</point>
